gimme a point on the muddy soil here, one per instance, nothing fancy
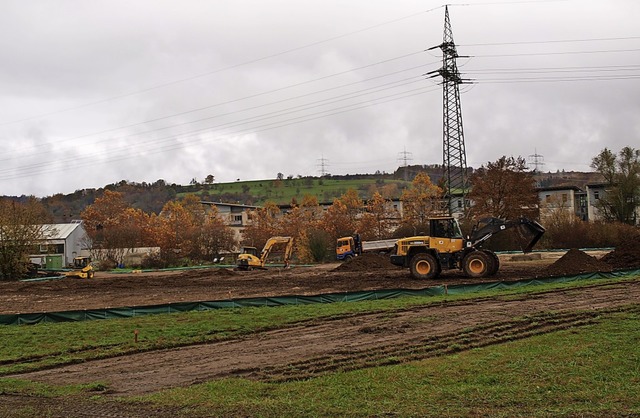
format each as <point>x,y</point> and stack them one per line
<point>118,290</point>
<point>368,272</point>
<point>576,262</point>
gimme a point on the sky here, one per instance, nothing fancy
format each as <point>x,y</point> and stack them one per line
<point>95,92</point>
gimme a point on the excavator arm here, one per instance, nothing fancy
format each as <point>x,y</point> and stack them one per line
<point>529,231</point>
<point>273,241</point>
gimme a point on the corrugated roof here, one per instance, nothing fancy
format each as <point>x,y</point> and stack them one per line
<point>59,231</point>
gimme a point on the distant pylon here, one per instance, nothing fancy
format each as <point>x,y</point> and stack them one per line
<point>404,157</point>
<point>536,160</point>
<point>323,162</point>
<point>454,154</point>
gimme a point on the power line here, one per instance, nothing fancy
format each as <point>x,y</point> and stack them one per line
<point>557,53</point>
<point>89,161</point>
<point>554,41</point>
<point>58,142</point>
<point>230,67</point>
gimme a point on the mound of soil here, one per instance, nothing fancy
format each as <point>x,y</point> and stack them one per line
<point>366,262</point>
<point>575,262</point>
<point>625,256</point>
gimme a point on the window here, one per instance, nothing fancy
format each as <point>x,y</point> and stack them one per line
<point>596,195</point>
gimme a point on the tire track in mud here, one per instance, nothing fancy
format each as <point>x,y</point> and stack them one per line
<point>321,346</point>
<point>481,336</point>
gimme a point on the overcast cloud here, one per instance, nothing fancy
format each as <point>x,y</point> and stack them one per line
<point>94,92</point>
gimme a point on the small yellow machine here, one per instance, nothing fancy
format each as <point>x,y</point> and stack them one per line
<point>249,259</point>
<point>82,268</point>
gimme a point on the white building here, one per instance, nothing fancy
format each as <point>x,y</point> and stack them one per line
<point>61,243</point>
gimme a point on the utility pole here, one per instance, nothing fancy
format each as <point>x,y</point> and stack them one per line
<point>323,162</point>
<point>404,157</point>
<point>536,160</point>
<point>454,154</point>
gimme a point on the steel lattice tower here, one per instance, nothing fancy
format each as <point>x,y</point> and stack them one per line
<point>454,154</point>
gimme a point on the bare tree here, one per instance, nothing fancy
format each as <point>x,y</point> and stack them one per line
<point>20,230</point>
<point>622,174</point>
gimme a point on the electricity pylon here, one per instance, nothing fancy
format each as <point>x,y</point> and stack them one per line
<point>454,154</point>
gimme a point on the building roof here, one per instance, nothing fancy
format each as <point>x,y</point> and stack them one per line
<point>59,231</point>
<point>558,188</point>
<point>234,205</point>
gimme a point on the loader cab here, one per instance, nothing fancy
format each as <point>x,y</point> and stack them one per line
<point>445,228</point>
<point>81,262</point>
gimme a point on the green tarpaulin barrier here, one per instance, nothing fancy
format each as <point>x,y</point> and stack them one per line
<point>128,312</point>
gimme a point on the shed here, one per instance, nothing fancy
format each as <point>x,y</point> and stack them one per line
<point>60,244</point>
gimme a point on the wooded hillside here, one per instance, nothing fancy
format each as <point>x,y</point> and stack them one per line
<point>151,197</point>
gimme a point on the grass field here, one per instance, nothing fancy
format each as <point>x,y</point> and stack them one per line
<point>283,191</point>
<point>588,371</point>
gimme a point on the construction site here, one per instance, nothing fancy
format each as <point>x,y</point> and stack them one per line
<point>305,349</point>
<point>464,296</point>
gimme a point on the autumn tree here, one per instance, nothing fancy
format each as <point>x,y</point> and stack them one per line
<point>622,174</point>
<point>353,204</point>
<point>504,189</point>
<point>21,228</point>
<point>341,218</point>
<point>304,223</point>
<point>264,224</point>
<point>301,224</point>
<point>421,201</point>
<point>215,236</point>
<point>114,227</point>
<point>375,223</point>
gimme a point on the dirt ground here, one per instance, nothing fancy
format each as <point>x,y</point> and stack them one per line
<point>311,348</point>
<point>371,272</point>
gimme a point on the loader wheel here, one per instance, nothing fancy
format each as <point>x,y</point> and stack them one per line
<point>90,275</point>
<point>477,264</point>
<point>424,266</point>
<point>495,265</point>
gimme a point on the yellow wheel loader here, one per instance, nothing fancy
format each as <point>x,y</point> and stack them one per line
<point>445,247</point>
<point>249,259</point>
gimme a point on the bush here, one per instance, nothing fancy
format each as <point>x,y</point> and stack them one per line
<point>107,264</point>
<point>574,233</point>
<point>319,243</point>
<point>154,261</point>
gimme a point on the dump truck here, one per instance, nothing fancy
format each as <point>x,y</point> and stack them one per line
<point>349,247</point>
<point>446,248</point>
<point>249,259</point>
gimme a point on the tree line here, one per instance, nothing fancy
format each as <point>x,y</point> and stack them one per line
<point>186,232</point>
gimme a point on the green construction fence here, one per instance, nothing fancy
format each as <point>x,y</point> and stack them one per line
<point>128,312</point>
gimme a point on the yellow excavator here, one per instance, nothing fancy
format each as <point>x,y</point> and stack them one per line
<point>249,259</point>
<point>82,268</point>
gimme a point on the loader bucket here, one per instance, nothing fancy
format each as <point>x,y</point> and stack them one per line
<point>530,232</point>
